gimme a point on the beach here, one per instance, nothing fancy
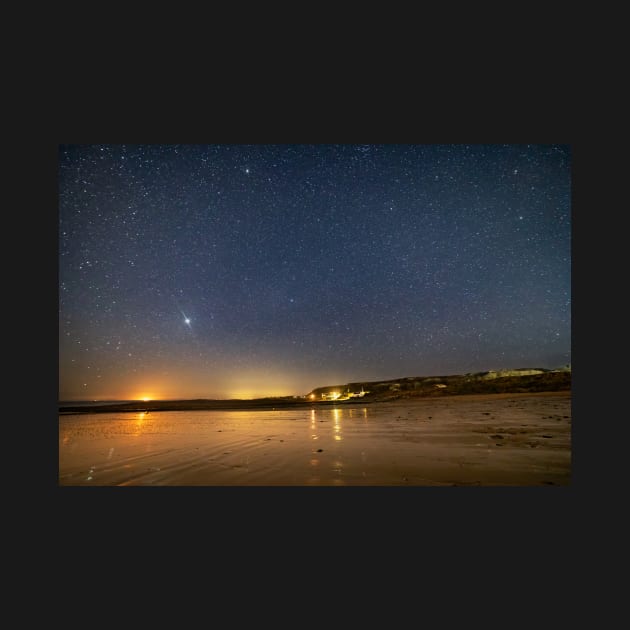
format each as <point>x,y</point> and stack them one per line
<point>468,440</point>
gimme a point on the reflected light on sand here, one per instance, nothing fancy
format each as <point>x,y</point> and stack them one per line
<point>337,424</point>
<point>140,422</point>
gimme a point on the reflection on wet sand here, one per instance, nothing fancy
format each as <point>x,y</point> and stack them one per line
<point>139,422</point>
<point>520,440</point>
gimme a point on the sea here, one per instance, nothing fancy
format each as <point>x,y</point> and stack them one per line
<point>90,403</point>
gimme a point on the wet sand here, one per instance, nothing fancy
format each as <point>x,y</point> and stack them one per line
<point>476,440</point>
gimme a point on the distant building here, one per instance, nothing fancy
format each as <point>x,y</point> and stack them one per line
<point>520,372</point>
<point>330,395</point>
<point>357,394</point>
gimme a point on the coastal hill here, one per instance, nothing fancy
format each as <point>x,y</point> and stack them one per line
<point>524,380</point>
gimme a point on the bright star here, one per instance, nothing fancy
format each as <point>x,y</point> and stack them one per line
<point>186,321</point>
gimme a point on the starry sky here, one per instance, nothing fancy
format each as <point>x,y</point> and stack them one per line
<point>240,271</point>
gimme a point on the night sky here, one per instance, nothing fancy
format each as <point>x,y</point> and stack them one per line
<point>239,271</point>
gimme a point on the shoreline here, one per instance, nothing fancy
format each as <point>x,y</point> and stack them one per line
<point>270,404</point>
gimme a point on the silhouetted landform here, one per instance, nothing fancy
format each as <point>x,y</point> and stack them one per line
<point>525,380</point>
<point>522,380</point>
